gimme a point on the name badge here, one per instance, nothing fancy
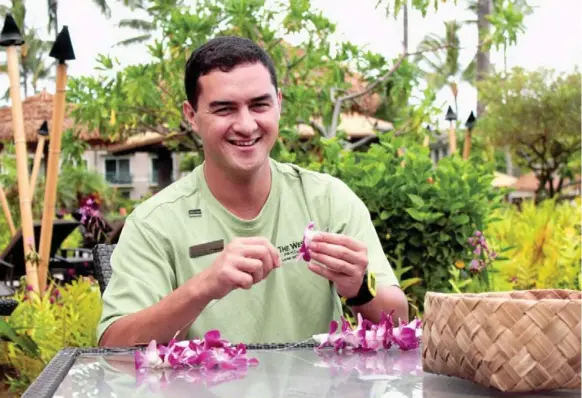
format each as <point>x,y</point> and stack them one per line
<point>205,249</point>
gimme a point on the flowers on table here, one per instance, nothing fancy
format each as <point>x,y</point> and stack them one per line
<point>211,352</point>
<point>367,336</point>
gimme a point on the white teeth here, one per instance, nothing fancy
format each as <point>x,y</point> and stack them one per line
<point>243,143</point>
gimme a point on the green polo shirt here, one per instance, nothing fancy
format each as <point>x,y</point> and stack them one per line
<point>152,257</point>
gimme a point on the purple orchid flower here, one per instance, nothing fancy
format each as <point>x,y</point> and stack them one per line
<point>308,234</point>
<point>367,336</point>
<point>211,352</point>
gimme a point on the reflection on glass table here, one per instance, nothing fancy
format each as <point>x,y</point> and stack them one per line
<point>284,373</point>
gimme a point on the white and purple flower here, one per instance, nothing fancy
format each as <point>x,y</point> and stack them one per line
<point>212,352</point>
<point>308,234</point>
<point>367,336</point>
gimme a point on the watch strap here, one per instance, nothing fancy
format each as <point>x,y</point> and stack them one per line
<point>366,293</point>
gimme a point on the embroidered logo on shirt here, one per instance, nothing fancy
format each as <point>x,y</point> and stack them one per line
<point>195,213</point>
<point>289,251</point>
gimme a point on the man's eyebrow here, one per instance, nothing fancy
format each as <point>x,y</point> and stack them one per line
<point>260,98</point>
<point>217,103</point>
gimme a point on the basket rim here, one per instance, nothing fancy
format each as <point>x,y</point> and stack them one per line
<point>499,296</point>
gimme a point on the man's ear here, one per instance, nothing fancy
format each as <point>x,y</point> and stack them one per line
<point>190,114</point>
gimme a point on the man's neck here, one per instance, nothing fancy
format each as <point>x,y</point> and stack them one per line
<point>251,193</point>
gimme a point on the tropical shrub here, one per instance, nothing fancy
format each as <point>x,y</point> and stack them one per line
<point>544,246</point>
<point>424,213</point>
<point>41,326</point>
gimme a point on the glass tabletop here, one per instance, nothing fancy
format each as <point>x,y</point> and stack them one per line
<point>280,373</point>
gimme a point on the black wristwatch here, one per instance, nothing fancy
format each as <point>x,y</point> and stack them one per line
<point>366,293</point>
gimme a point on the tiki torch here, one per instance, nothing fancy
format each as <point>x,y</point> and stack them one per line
<point>451,117</point>
<point>11,38</point>
<point>43,132</point>
<point>426,140</point>
<point>469,124</point>
<point>62,51</point>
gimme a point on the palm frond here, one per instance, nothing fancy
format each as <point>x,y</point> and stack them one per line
<point>103,7</point>
<point>470,72</point>
<point>138,24</point>
<point>134,40</point>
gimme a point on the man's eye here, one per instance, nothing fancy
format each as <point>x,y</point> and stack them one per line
<point>223,110</point>
<point>261,106</point>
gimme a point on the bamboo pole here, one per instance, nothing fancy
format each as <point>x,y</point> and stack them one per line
<point>452,139</point>
<point>7,213</point>
<point>467,145</point>
<point>451,117</point>
<point>36,166</point>
<point>11,38</point>
<point>469,124</point>
<point>62,51</point>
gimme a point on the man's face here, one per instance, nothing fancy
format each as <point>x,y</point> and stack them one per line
<point>237,117</point>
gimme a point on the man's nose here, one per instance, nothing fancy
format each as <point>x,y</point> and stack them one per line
<point>245,122</point>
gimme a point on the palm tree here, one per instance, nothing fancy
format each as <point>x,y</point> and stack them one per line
<point>444,66</point>
<point>156,9</point>
<point>142,25</point>
<point>33,66</point>
<point>53,7</point>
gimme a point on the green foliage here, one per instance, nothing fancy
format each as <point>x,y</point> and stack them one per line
<point>424,214</point>
<point>544,246</point>
<point>148,97</point>
<point>40,327</point>
<point>537,115</point>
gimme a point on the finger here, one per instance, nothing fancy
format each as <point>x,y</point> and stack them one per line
<point>261,241</point>
<point>324,272</point>
<point>339,239</point>
<point>258,276</point>
<point>248,265</point>
<point>240,279</point>
<point>261,253</point>
<point>339,252</point>
<point>334,264</point>
<point>251,266</point>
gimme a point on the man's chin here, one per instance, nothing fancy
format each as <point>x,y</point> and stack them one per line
<point>245,168</point>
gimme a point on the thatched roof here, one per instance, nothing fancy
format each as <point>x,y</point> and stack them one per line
<point>36,109</point>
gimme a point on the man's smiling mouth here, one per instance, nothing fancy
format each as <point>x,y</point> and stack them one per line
<point>244,143</point>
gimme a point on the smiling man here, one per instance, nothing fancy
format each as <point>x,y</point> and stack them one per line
<point>218,249</point>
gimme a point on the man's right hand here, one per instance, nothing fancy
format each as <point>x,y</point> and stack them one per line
<point>243,263</point>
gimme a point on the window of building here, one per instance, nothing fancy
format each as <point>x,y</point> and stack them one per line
<point>155,170</point>
<point>117,171</point>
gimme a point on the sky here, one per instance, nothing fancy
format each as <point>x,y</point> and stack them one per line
<point>553,37</point>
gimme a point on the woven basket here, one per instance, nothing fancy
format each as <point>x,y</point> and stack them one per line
<point>519,341</point>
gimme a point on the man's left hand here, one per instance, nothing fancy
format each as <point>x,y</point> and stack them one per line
<point>343,261</point>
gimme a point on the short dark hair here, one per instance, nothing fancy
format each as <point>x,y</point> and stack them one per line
<point>224,53</point>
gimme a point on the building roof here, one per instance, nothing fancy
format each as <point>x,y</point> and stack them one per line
<point>35,110</point>
<point>530,183</point>
<point>141,142</point>
<point>354,124</point>
<point>501,180</point>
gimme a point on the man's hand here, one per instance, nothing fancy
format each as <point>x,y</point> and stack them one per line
<point>343,261</point>
<point>243,263</point>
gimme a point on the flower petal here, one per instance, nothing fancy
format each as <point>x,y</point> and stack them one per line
<point>308,234</point>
